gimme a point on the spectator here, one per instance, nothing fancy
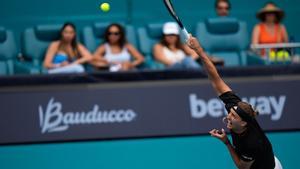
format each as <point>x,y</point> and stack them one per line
<point>171,52</point>
<point>116,53</point>
<point>222,7</point>
<point>270,30</point>
<point>66,55</point>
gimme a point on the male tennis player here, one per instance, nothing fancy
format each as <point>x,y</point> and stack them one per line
<point>250,148</point>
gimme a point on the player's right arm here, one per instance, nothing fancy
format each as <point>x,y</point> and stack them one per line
<point>217,82</point>
<point>238,161</point>
<point>241,164</point>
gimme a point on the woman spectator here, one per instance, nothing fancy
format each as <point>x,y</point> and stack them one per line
<point>270,30</point>
<point>66,55</point>
<point>116,53</point>
<point>171,52</point>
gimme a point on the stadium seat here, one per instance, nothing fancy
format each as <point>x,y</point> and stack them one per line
<point>226,38</point>
<point>35,42</point>
<point>148,36</point>
<point>8,52</point>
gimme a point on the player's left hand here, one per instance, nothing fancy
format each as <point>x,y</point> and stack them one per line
<point>220,134</point>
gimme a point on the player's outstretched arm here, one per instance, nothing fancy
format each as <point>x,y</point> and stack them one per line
<point>219,85</point>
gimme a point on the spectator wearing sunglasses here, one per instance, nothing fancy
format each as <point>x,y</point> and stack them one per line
<point>116,54</point>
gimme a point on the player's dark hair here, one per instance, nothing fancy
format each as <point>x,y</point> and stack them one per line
<point>247,108</point>
<point>122,40</point>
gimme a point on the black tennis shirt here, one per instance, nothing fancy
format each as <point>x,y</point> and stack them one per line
<point>252,144</point>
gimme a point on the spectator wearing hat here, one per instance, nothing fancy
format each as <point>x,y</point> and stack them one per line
<point>171,52</point>
<point>270,30</point>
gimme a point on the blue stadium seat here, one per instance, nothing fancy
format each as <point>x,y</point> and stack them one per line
<point>8,52</point>
<point>148,36</point>
<point>35,42</point>
<point>226,38</point>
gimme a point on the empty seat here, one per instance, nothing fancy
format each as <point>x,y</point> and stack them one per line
<point>35,42</point>
<point>148,36</point>
<point>226,38</point>
<point>8,52</point>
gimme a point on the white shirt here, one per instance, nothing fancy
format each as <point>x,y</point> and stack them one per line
<point>174,56</point>
<point>123,56</point>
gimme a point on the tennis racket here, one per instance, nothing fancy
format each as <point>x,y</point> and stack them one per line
<point>171,10</point>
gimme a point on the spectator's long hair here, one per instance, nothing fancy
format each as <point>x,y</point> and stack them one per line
<point>122,37</point>
<point>178,43</point>
<point>74,42</point>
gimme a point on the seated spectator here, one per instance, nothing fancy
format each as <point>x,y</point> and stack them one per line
<point>270,30</point>
<point>171,52</point>
<point>222,7</point>
<point>66,55</point>
<point>116,53</point>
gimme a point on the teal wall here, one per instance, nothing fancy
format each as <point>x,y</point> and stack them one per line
<point>164,153</point>
<point>18,15</point>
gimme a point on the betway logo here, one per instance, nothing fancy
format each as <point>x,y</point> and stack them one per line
<point>54,120</point>
<point>266,105</point>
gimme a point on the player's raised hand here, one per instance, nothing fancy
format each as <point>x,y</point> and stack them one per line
<point>193,43</point>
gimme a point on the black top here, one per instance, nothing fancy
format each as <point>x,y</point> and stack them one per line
<point>253,144</point>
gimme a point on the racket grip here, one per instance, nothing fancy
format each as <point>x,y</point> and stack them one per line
<point>186,34</point>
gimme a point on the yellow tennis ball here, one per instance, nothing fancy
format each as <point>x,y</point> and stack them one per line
<point>105,7</point>
<point>272,56</point>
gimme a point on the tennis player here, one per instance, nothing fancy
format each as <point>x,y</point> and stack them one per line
<point>250,147</point>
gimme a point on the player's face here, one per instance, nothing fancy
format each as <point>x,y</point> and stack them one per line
<point>234,121</point>
<point>222,9</point>
<point>114,34</point>
<point>68,34</point>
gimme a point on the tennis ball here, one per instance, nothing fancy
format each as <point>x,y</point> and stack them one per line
<point>272,56</point>
<point>105,7</point>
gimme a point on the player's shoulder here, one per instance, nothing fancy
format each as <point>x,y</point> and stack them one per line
<point>228,94</point>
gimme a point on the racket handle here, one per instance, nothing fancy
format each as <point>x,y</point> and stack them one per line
<point>186,34</point>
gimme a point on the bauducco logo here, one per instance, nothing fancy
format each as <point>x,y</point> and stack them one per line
<point>52,119</point>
